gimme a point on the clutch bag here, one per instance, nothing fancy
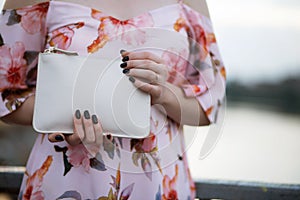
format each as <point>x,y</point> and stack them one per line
<point>67,82</point>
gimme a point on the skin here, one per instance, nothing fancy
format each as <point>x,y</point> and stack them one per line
<point>143,65</point>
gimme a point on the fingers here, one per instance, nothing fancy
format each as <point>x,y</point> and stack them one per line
<point>98,130</point>
<point>151,63</point>
<point>142,55</point>
<point>146,76</point>
<point>141,64</point>
<point>147,72</point>
<point>78,135</point>
<point>154,90</point>
<point>87,129</point>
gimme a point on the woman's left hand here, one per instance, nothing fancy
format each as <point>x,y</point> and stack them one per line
<point>148,72</point>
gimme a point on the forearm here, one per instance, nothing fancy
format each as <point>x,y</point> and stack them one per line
<point>185,111</point>
<point>23,115</point>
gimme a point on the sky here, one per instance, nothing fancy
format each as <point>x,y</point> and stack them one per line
<point>257,39</point>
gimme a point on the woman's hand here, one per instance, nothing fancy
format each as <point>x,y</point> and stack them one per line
<point>87,130</point>
<point>148,72</point>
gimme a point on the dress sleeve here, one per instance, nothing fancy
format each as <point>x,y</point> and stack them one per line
<point>22,37</point>
<point>205,71</point>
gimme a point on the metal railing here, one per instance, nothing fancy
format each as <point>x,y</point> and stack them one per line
<point>11,177</point>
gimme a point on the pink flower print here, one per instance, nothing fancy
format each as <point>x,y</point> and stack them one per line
<point>96,14</point>
<point>128,31</point>
<point>191,181</point>
<point>62,37</point>
<point>169,186</point>
<point>149,143</point>
<point>12,67</point>
<point>177,64</point>
<point>33,17</point>
<point>78,155</point>
<point>34,182</point>
<point>204,37</point>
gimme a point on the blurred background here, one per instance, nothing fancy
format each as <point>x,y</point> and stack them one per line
<point>260,45</point>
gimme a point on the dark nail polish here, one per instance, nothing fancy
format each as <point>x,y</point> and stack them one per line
<point>108,136</point>
<point>122,51</point>
<point>87,115</point>
<point>77,114</point>
<point>126,71</point>
<point>131,79</point>
<point>124,64</point>
<point>126,58</point>
<point>94,119</point>
<point>59,138</point>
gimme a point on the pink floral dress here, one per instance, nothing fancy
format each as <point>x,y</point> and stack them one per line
<point>155,167</point>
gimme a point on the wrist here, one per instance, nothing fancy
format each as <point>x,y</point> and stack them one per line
<point>168,94</point>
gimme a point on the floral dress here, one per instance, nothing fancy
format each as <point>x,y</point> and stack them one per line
<point>154,167</point>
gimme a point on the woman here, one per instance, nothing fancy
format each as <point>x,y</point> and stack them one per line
<point>186,88</point>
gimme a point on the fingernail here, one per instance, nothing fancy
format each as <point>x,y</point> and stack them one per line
<point>108,136</point>
<point>94,119</point>
<point>131,79</point>
<point>122,51</point>
<point>77,114</point>
<point>126,58</point>
<point>124,64</point>
<point>59,138</point>
<point>87,115</point>
<point>126,71</point>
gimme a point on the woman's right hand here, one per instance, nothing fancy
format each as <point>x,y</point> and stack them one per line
<point>87,130</point>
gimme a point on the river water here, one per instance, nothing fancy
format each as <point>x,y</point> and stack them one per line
<point>255,145</point>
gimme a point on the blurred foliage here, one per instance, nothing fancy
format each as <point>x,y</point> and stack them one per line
<point>283,96</point>
<point>15,143</point>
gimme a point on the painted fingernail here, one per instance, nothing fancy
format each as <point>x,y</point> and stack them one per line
<point>94,119</point>
<point>126,71</point>
<point>59,138</point>
<point>87,115</point>
<point>124,64</point>
<point>131,79</point>
<point>126,58</point>
<point>108,136</point>
<point>122,51</point>
<point>77,114</point>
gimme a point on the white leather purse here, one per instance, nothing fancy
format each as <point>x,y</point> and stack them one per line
<point>67,82</point>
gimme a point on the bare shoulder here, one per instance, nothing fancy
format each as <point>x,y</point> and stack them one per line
<point>198,5</point>
<point>13,4</point>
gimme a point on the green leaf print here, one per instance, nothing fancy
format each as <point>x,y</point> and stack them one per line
<point>125,194</point>
<point>14,18</point>
<point>109,147</point>
<point>97,163</point>
<point>146,165</point>
<point>70,194</point>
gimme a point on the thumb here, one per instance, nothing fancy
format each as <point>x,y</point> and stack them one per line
<point>56,137</point>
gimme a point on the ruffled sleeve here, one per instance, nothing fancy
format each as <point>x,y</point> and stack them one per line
<point>205,70</point>
<point>22,37</point>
